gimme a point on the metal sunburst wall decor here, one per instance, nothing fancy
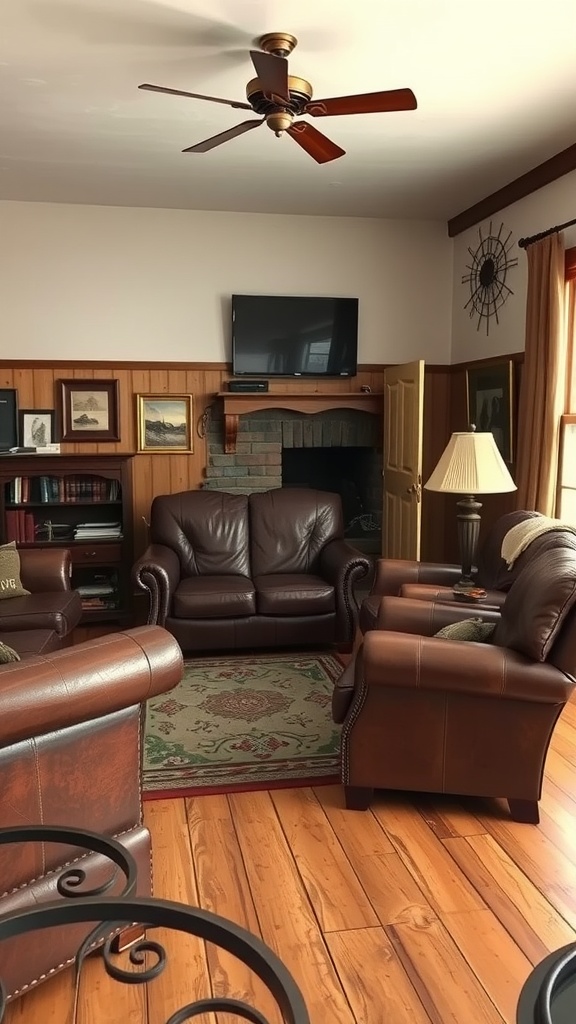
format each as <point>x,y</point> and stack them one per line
<point>489,266</point>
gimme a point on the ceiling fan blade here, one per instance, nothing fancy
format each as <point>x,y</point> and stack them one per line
<point>196,96</point>
<point>366,103</point>
<point>217,140</point>
<point>314,142</point>
<point>272,72</point>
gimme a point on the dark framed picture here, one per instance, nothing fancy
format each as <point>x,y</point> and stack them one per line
<point>37,427</point>
<point>490,402</point>
<point>165,423</point>
<point>8,418</point>
<point>89,410</point>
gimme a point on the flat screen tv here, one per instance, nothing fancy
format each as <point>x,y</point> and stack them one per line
<point>294,336</point>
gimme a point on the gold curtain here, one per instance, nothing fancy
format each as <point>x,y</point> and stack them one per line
<point>543,395</point>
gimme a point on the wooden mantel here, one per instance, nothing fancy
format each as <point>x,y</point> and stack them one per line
<point>238,404</point>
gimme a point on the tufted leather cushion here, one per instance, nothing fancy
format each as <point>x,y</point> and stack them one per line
<point>214,597</point>
<point>294,594</point>
<point>289,527</point>
<point>207,530</point>
<point>539,601</point>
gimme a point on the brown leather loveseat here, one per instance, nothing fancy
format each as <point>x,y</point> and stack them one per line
<point>259,570</point>
<point>429,714</point>
<point>43,620</point>
<point>70,756</point>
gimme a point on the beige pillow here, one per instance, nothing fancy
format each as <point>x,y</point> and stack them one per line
<point>7,654</point>
<point>10,582</point>
<point>468,629</point>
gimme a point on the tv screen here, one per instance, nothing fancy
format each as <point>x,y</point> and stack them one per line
<point>294,336</point>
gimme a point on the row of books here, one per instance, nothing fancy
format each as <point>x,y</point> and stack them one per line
<point>20,526</point>
<point>98,531</point>
<point>100,592</point>
<point>61,489</point>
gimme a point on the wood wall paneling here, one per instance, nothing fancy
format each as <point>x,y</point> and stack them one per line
<point>444,411</point>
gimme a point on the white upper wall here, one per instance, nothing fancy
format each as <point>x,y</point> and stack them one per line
<point>112,283</point>
<point>551,205</point>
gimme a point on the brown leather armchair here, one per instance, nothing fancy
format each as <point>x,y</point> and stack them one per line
<point>43,620</point>
<point>258,570</point>
<point>430,581</point>
<point>443,716</point>
<point>70,756</point>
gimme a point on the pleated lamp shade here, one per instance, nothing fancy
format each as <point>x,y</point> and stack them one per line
<point>471,464</point>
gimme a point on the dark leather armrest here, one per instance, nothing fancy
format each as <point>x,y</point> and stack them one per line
<point>407,615</point>
<point>402,661</point>
<point>391,573</point>
<point>342,565</point>
<point>430,592</point>
<point>78,684</point>
<point>44,570</point>
<point>157,572</point>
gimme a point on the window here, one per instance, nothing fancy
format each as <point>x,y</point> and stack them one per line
<point>566,496</point>
<point>566,489</point>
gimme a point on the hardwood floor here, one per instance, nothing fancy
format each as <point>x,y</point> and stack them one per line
<point>420,910</point>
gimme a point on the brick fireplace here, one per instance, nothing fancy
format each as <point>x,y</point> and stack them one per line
<point>338,450</point>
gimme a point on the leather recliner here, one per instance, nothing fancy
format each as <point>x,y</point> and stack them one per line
<point>430,581</point>
<point>428,714</point>
<point>43,620</point>
<point>70,755</point>
<point>260,570</point>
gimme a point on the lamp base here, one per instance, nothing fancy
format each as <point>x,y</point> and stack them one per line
<point>468,526</point>
<point>466,583</point>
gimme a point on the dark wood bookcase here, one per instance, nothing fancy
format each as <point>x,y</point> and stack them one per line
<point>45,499</point>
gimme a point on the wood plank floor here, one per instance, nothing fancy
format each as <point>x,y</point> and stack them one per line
<point>420,910</point>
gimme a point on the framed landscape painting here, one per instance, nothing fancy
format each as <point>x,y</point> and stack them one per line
<point>489,403</point>
<point>165,423</point>
<point>89,410</point>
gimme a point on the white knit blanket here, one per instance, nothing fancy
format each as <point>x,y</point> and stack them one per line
<point>520,536</point>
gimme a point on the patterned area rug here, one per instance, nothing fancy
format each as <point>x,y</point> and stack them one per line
<point>243,722</point>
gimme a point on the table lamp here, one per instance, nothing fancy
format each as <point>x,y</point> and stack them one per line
<point>470,464</point>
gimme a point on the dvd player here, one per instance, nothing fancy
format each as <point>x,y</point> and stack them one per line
<point>247,385</point>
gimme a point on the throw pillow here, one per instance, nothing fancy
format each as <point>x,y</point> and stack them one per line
<point>10,582</point>
<point>7,654</point>
<point>468,629</point>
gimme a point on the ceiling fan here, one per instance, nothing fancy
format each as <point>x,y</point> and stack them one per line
<point>280,98</point>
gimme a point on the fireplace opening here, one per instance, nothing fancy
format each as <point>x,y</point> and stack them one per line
<point>353,472</point>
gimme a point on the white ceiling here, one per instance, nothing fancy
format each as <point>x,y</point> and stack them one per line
<point>495,82</point>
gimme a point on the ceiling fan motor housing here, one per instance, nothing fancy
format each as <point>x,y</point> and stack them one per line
<point>300,93</point>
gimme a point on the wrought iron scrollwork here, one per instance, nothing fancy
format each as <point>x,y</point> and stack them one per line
<point>112,913</point>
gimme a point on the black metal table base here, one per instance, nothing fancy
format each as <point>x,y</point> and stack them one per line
<point>110,912</point>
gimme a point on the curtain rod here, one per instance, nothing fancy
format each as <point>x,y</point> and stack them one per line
<point>525,242</point>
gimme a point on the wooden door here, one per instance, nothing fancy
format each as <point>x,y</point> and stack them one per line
<point>402,462</point>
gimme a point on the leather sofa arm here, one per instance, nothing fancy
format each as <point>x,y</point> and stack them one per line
<point>157,572</point>
<point>45,693</point>
<point>45,570</point>
<point>343,565</point>
<point>401,661</point>
<point>391,573</point>
<point>431,592</point>
<point>408,615</point>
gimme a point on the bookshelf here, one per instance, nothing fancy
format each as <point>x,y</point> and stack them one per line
<point>81,502</point>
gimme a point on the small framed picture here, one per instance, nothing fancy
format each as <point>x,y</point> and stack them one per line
<point>37,427</point>
<point>8,418</point>
<point>490,402</point>
<point>89,410</point>
<point>165,423</point>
